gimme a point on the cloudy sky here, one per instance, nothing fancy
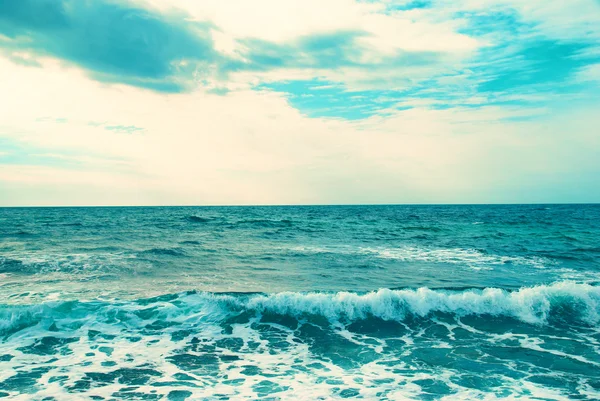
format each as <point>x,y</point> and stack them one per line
<point>110,102</point>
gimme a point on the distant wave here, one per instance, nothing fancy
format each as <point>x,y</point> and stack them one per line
<point>190,242</point>
<point>8,265</point>
<point>595,249</point>
<point>164,252</point>
<point>469,257</point>
<point>267,223</point>
<point>198,219</point>
<point>423,228</point>
<point>19,233</point>
<point>39,262</point>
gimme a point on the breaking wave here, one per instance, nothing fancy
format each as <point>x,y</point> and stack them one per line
<point>560,302</point>
<point>387,344</point>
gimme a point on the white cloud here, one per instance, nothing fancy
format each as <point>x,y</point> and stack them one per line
<point>388,32</point>
<point>385,35</point>
<point>273,20</point>
<point>284,21</point>
<point>589,74</point>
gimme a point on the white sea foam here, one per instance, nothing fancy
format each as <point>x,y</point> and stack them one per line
<point>296,368</point>
<point>472,258</point>
<point>43,262</point>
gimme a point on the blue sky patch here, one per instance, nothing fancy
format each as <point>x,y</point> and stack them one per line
<point>549,65</point>
<point>409,5</point>
<point>13,152</point>
<point>317,98</point>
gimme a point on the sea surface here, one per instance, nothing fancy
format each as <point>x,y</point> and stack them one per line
<point>300,303</point>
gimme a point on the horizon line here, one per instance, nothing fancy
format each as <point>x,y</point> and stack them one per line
<point>305,205</point>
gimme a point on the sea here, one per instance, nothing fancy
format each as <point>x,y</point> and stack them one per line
<point>460,302</point>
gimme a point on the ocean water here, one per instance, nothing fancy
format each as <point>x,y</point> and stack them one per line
<point>300,303</point>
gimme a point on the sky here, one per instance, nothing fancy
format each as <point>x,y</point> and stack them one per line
<point>227,102</point>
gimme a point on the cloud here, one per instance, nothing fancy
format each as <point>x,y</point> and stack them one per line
<point>339,56</point>
<point>528,73</point>
<point>127,129</point>
<point>377,57</point>
<point>565,21</point>
<point>321,51</point>
<point>589,74</point>
<point>113,41</point>
<point>170,50</point>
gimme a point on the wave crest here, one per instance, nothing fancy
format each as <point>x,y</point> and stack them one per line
<point>563,302</point>
<point>531,305</point>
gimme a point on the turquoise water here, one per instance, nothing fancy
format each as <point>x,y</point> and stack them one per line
<point>288,303</point>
